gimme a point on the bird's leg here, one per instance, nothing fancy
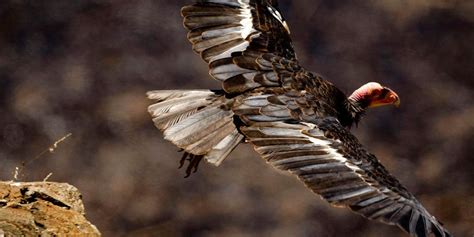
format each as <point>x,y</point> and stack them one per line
<point>193,165</point>
<point>183,159</point>
<point>195,162</point>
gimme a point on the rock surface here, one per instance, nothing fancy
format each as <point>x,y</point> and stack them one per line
<point>42,209</point>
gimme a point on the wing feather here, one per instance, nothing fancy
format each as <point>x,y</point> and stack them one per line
<point>333,164</point>
<point>240,39</point>
<point>247,46</point>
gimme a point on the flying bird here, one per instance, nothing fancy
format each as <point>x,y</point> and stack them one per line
<point>296,120</point>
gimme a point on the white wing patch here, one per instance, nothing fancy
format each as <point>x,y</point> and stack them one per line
<point>314,158</point>
<point>247,20</point>
<point>332,152</point>
<point>319,161</point>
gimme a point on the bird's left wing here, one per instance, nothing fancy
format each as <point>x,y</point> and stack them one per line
<point>241,40</point>
<point>332,163</point>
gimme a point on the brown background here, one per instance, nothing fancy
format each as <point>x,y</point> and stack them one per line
<point>84,67</point>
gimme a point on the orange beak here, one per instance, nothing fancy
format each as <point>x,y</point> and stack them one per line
<point>397,100</point>
<point>389,97</point>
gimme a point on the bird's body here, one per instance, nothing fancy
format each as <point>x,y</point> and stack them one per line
<point>296,120</point>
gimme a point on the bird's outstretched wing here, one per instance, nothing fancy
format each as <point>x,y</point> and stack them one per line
<point>332,163</point>
<point>239,39</point>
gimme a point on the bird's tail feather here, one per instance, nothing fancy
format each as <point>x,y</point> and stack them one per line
<point>197,121</point>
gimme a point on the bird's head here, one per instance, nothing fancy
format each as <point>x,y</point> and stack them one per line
<point>373,95</point>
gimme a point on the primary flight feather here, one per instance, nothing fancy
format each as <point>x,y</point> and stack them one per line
<point>296,120</point>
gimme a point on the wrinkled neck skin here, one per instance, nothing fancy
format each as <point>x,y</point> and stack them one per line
<point>357,109</point>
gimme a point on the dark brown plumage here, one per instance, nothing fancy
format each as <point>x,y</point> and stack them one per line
<point>296,120</point>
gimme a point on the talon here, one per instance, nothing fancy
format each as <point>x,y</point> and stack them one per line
<point>187,175</point>
<point>188,172</point>
<point>193,165</point>
<point>183,159</point>
<point>197,161</point>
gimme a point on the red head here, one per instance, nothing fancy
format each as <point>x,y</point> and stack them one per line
<point>373,94</point>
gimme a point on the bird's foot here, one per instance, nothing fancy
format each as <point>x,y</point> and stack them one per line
<point>193,165</point>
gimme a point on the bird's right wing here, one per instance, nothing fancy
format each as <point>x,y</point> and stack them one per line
<point>332,163</point>
<point>242,41</point>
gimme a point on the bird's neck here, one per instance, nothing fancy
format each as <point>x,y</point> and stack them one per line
<point>357,109</point>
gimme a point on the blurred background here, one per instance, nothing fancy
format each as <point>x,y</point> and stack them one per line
<point>83,67</point>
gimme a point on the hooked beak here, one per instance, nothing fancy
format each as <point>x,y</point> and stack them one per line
<point>389,97</point>
<point>392,96</point>
<point>397,102</point>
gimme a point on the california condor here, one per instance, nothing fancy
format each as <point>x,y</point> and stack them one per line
<point>296,120</point>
